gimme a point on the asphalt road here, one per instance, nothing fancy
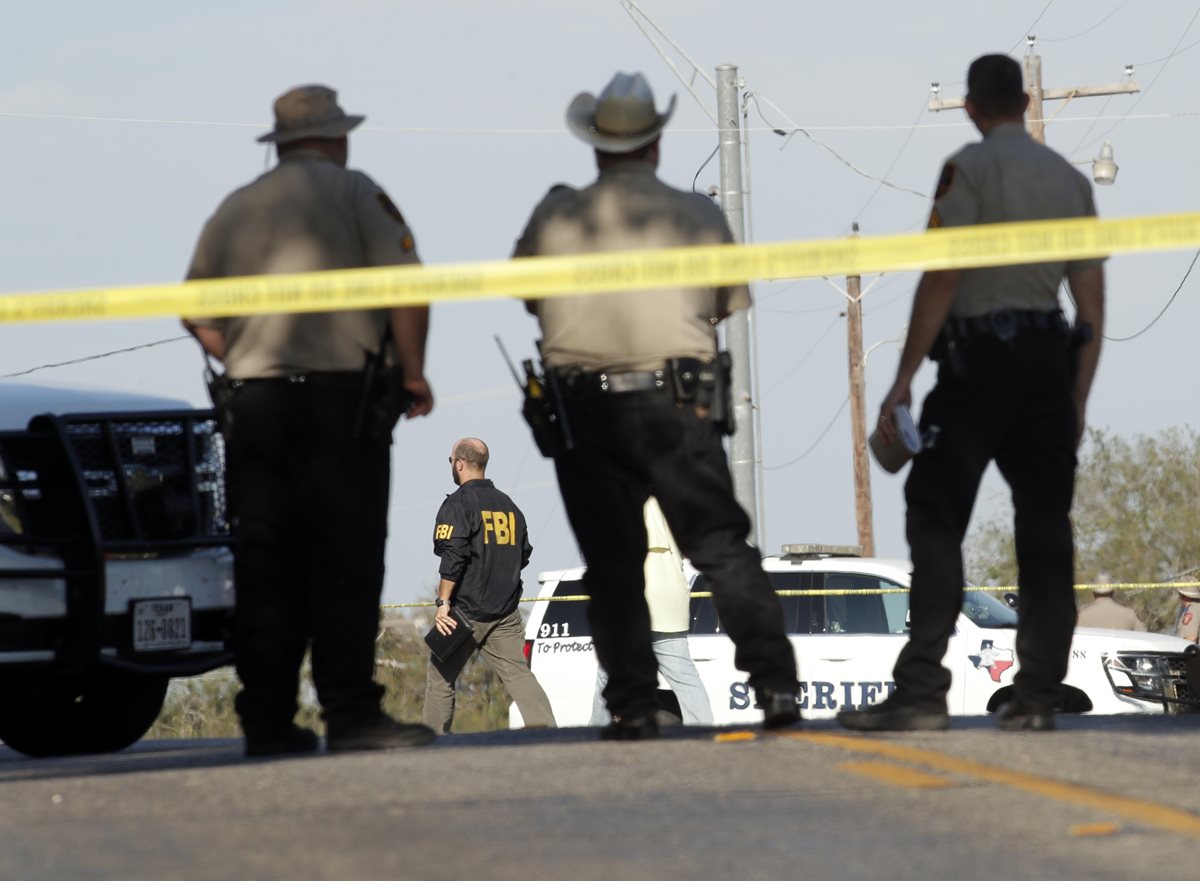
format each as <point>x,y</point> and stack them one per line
<point>1104,798</point>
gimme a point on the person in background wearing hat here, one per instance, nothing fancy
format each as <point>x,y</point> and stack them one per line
<point>1107,613</point>
<point>636,370</point>
<point>1012,386</point>
<point>307,441</point>
<point>1187,625</point>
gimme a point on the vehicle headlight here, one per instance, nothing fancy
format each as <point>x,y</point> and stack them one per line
<point>1141,676</point>
<point>10,521</point>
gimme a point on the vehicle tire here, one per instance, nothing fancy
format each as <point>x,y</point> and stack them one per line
<point>104,711</point>
<point>1073,700</point>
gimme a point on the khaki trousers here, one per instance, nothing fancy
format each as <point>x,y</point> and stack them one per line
<point>502,644</point>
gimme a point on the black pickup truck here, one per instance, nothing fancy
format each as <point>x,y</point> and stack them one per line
<point>115,567</point>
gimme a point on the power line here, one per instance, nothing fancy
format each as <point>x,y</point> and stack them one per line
<point>448,130</point>
<point>702,166</point>
<point>1116,9</point>
<point>820,438</point>
<point>796,128</point>
<point>1123,339</point>
<point>911,131</point>
<point>1146,90</point>
<point>98,357</point>
<point>788,373</point>
<point>1025,32</point>
<point>1189,46</point>
<point>634,11</point>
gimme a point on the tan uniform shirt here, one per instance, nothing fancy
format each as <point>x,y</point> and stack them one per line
<point>1188,625</point>
<point>628,208</point>
<point>667,591</point>
<point>1107,613</point>
<point>306,214</point>
<point>1009,177</point>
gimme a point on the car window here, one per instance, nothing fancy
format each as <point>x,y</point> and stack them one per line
<point>859,610</point>
<point>987,611</point>
<point>566,618</point>
<point>703,612</point>
<point>797,611</point>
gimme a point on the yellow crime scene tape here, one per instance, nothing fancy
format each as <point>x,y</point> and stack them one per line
<point>537,277</point>
<point>702,594</point>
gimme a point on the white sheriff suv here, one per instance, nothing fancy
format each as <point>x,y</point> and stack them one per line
<point>115,567</point>
<point>847,619</point>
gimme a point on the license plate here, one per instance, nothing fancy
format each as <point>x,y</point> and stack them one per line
<point>162,625</point>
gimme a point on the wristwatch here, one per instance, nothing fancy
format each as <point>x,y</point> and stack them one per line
<point>439,602</point>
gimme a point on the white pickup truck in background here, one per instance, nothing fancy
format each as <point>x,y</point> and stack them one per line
<point>115,567</point>
<point>847,637</point>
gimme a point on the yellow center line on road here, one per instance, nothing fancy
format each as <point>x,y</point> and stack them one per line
<point>897,775</point>
<point>1140,811</point>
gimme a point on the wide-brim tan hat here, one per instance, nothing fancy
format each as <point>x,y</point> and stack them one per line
<point>622,118</point>
<point>309,112</point>
<point>1191,593</point>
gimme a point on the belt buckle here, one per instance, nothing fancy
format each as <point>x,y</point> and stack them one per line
<point>1004,324</point>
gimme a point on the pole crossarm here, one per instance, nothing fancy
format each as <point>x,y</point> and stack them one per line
<point>1126,88</point>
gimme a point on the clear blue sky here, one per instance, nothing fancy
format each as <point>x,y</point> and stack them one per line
<point>123,124</point>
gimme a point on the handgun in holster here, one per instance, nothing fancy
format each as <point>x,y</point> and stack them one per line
<point>221,389</point>
<point>382,398</point>
<point>542,407</point>
<point>708,385</point>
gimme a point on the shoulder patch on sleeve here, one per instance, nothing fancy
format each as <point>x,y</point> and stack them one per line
<point>1187,618</point>
<point>389,207</point>
<point>945,181</point>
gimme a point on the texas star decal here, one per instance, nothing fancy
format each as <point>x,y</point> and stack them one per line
<point>994,660</point>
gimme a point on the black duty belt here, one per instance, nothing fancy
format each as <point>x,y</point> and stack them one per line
<point>1005,324</point>
<point>314,379</point>
<point>604,382</point>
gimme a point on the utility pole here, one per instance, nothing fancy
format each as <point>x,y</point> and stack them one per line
<point>1035,120</point>
<point>737,326</point>
<point>858,419</point>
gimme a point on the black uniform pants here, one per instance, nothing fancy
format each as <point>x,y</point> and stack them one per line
<point>1014,405</point>
<point>630,446</point>
<point>310,506</point>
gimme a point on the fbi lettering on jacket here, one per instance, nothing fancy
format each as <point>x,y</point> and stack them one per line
<point>499,527</point>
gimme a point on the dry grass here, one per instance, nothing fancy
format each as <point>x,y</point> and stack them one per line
<point>203,705</point>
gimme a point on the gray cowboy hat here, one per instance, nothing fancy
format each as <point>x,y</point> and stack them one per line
<point>309,112</point>
<point>622,118</point>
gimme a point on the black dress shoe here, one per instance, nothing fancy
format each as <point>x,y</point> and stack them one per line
<point>892,715</point>
<point>780,708</point>
<point>635,727</point>
<point>374,732</point>
<point>1015,716</point>
<point>293,740</point>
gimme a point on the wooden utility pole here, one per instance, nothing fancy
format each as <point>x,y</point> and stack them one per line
<point>858,419</point>
<point>1035,120</point>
